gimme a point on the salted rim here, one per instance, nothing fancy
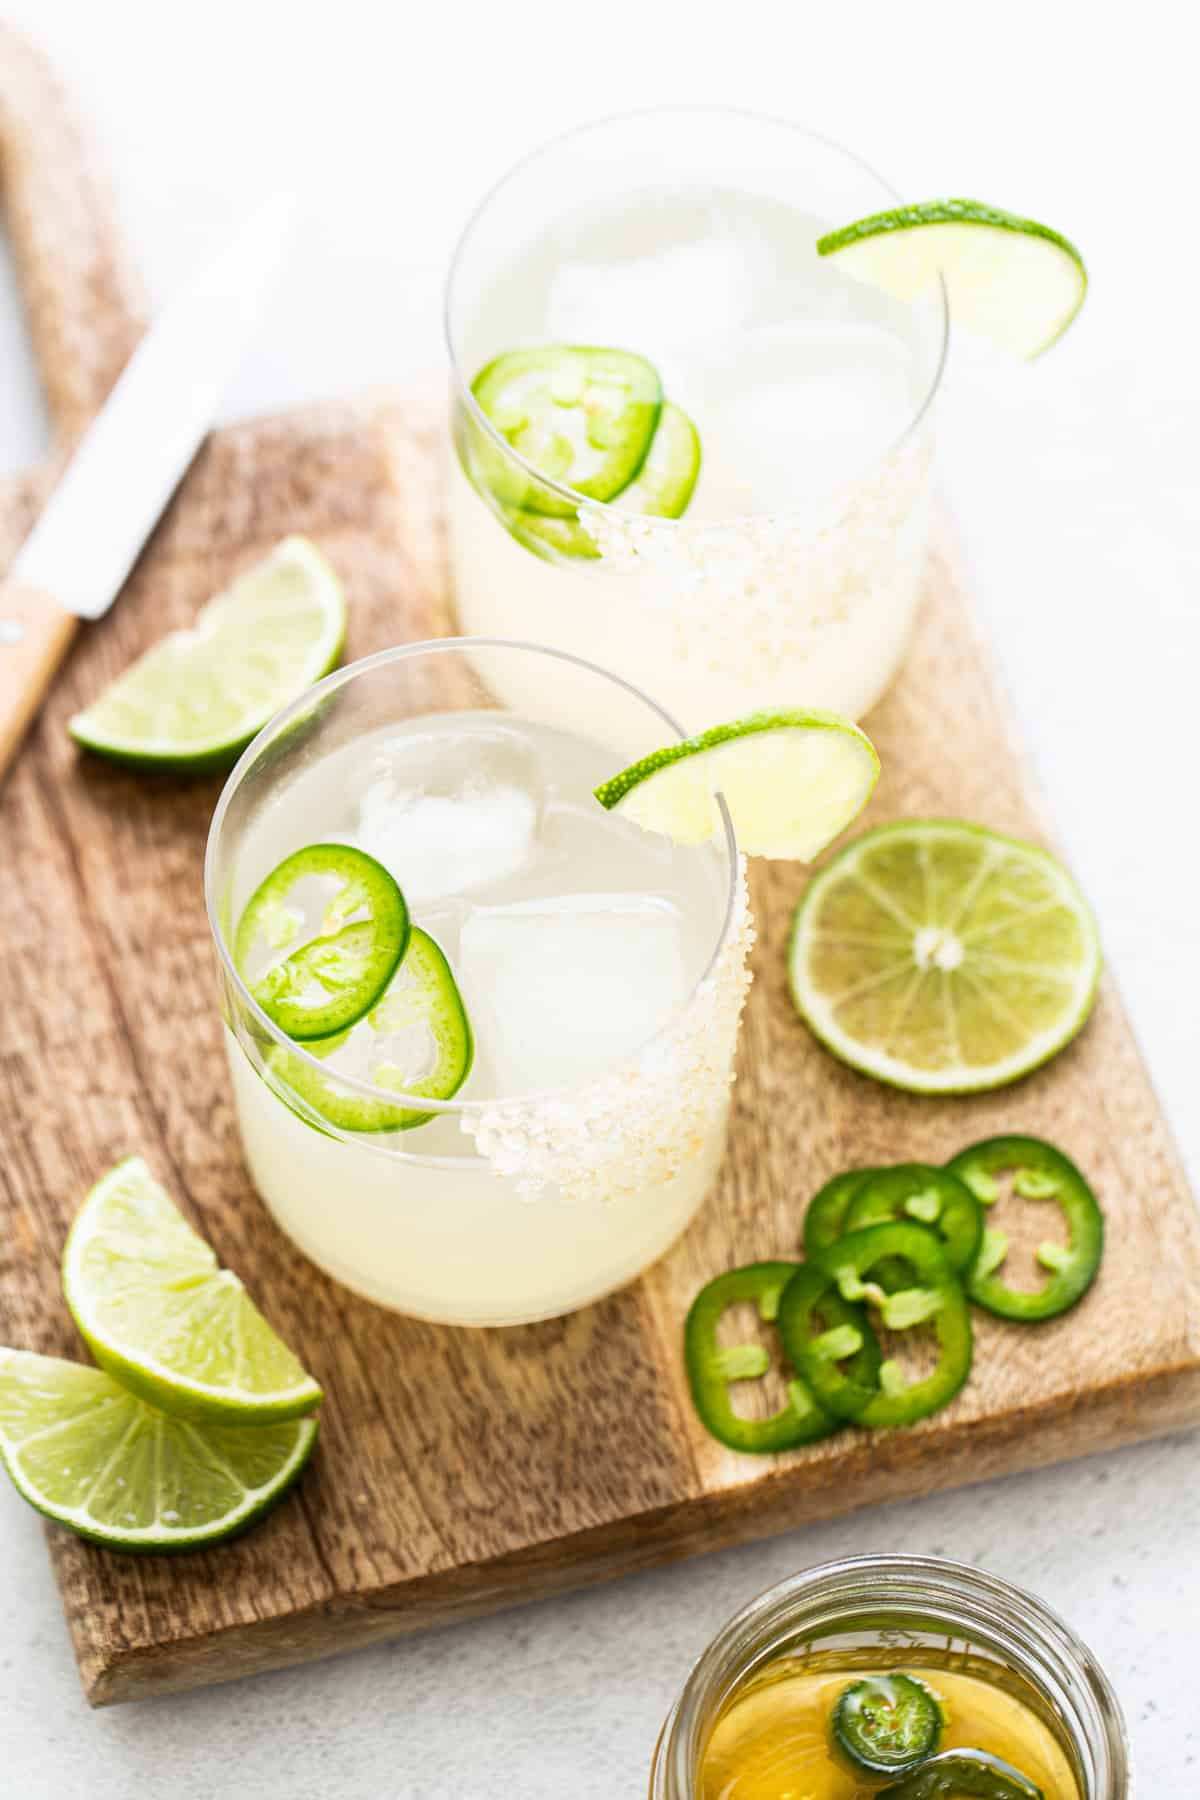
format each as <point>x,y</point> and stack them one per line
<point>394,1096</point>
<point>630,115</point>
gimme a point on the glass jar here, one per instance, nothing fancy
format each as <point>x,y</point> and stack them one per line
<point>903,1602</point>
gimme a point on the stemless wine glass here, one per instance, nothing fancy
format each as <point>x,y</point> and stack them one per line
<point>688,235</point>
<point>960,1617</point>
<point>502,1206</point>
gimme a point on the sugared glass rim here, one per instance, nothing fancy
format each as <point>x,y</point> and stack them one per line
<point>745,115</point>
<point>1013,1616</point>
<point>282,722</point>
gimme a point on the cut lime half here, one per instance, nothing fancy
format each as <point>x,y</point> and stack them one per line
<point>1013,281</point>
<point>159,1315</point>
<point>942,957</point>
<point>92,1456</point>
<point>349,922</point>
<point>416,1039</point>
<point>791,780</point>
<point>196,699</point>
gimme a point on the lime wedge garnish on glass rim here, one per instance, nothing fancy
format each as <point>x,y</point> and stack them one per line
<point>418,1039</point>
<point>195,700</point>
<point>348,923</point>
<point>95,1458</point>
<point>943,958</point>
<point>1013,281</point>
<point>791,780</point>
<point>160,1316</point>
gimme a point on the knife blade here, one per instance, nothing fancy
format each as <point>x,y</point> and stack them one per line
<point>133,455</point>
<point>129,462</point>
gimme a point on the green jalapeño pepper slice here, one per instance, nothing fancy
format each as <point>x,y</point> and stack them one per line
<point>886,1724</point>
<point>825,1217</point>
<point>963,1773</point>
<point>934,1296</point>
<point>583,417</point>
<point>712,1368</point>
<point>1039,1172</point>
<point>927,1196</point>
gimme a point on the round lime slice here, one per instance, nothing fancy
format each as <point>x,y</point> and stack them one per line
<point>196,699</point>
<point>160,1316</point>
<point>791,780</point>
<point>98,1460</point>
<point>1008,278</point>
<point>943,958</point>
<point>349,923</point>
<point>417,1039</point>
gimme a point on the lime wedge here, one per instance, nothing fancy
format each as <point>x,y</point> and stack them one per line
<point>353,926</point>
<point>1009,279</point>
<point>196,699</point>
<point>417,1040</point>
<point>791,780</point>
<point>160,1316</point>
<point>943,958</point>
<point>122,1474</point>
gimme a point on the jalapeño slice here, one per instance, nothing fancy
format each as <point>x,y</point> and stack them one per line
<point>924,1195</point>
<point>963,1775</point>
<point>933,1295</point>
<point>353,927</point>
<point>1039,1172</point>
<point>712,1368</point>
<point>424,1047</point>
<point>581,416</point>
<point>667,479</point>
<point>886,1724</point>
<point>825,1217</point>
<point>662,489</point>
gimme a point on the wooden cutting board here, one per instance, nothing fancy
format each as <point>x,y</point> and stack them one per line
<point>461,1471</point>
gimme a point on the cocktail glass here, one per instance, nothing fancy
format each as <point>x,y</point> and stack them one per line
<point>603,970</point>
<point>688,235</point>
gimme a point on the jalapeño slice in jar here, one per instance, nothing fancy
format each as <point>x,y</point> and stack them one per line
<point>583,417</point>
<point>712,1368</point>
<point>825,1217</point>
<point>1039,1172</point>
<point>925,1195</point>
<point>933,1295</point>
<point>963,1775</point>
<point>349,922</point>
<point>886,1724</point>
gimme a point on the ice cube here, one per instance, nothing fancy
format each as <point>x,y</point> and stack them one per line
<point>448,811</point>
<point>803,407</point>
<point>560,989</point>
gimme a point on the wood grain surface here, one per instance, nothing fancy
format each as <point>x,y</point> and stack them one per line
<point>460,1471</point>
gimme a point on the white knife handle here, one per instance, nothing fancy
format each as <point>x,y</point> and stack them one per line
<point>35,636</point>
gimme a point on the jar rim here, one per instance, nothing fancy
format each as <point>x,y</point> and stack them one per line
<point>1043,1649</point>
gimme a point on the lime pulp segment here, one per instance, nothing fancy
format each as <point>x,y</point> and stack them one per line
<point>1011,280</point>
<point>791,780</point>
<point>942,957</point>
<point>423,1043</point>
<point>160,1315</point>
<point>92,1456</point>
<point>354,926</point>
<point>195,700</point>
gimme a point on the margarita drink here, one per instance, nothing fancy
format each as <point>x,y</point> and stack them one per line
<point>777,560</point>
<point>599,966</point>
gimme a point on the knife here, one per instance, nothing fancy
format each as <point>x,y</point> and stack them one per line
<point>128,464</point>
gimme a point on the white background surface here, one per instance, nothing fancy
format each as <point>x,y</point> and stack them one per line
<point>1076,488</point>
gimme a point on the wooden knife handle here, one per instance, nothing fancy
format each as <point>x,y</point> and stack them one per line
<point>84,309</point>
<point>35,635</point>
